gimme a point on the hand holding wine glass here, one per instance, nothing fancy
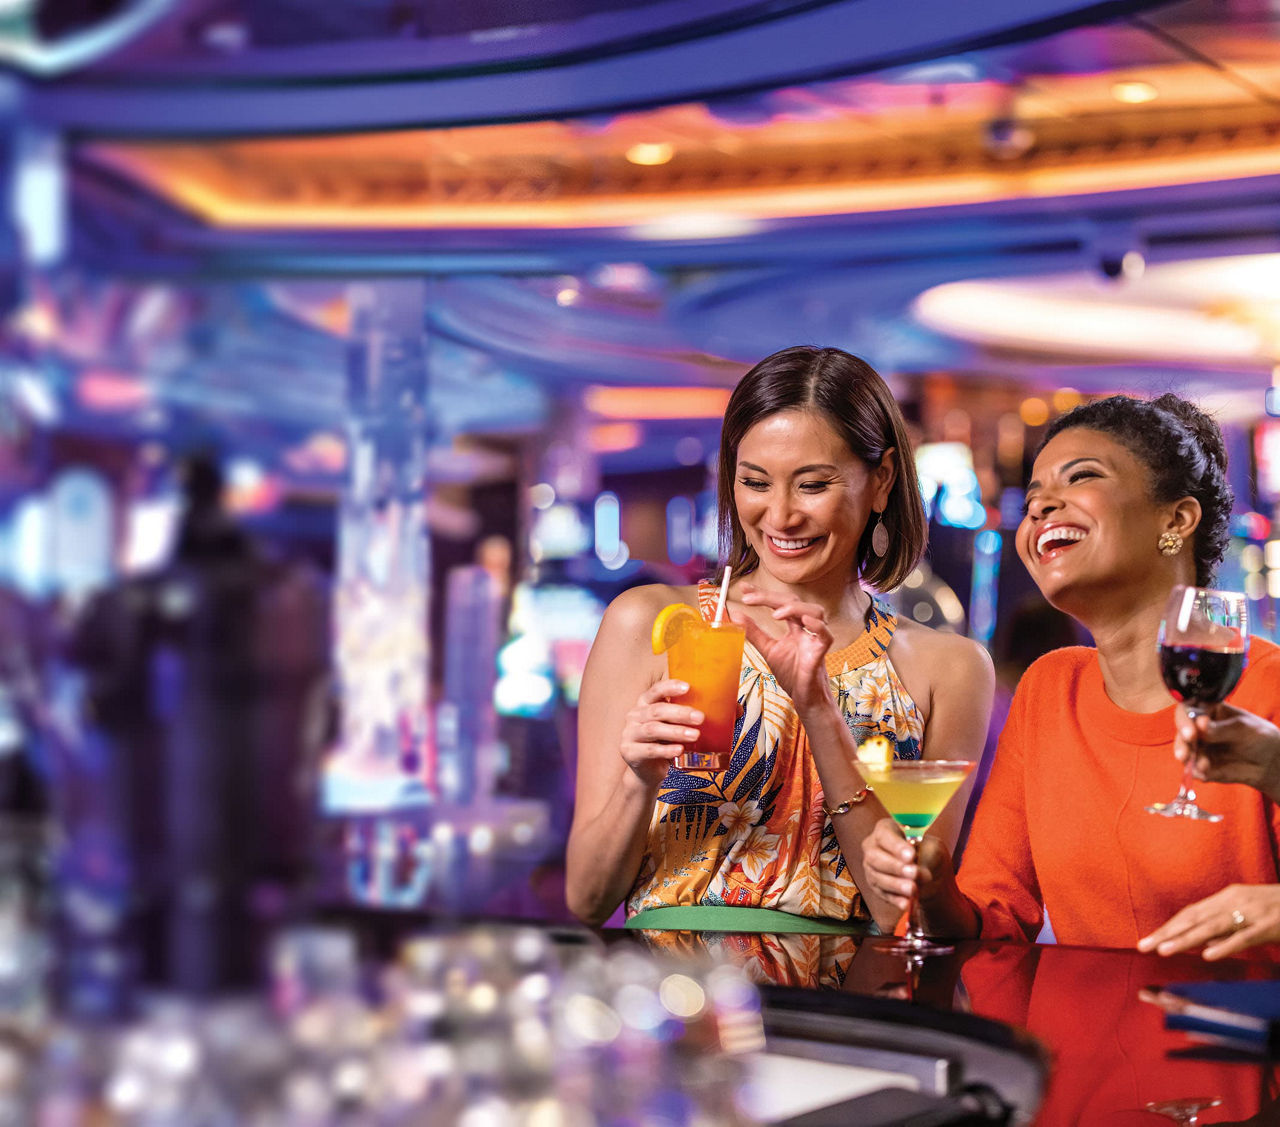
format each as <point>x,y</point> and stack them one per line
<point>1204,642</point>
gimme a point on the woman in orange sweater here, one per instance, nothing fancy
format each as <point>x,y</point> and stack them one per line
<point>1128,498</point>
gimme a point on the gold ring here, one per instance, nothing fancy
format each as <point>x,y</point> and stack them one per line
<point>1237,919</point>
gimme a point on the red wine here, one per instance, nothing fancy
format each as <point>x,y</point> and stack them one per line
<point>1199,675</point>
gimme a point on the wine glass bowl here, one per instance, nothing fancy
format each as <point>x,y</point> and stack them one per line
<point>1204,645</point>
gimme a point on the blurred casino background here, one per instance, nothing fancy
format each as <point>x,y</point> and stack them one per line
<point>454,295</point>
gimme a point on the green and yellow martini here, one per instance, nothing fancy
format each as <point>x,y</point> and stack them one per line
<point>915,792</point>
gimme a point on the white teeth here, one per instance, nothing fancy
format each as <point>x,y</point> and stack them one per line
<point>791,545</point>
<point>1051,535</point>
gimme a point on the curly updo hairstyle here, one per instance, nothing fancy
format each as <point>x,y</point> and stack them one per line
<point>1185,456</point>
<point>858,404</point>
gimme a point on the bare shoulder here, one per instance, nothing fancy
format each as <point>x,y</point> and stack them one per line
<point>629,618</point>
<point>938,653</point>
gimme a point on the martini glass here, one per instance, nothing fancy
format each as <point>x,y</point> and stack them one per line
<point>1204,640</point>
<point>915,791</point>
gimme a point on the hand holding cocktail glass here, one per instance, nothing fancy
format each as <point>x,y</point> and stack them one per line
<point>707,656</point>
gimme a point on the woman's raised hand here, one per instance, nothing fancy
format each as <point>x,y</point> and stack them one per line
<point>1231,746</point>
<point>657,729</point>
<point>796,658</point>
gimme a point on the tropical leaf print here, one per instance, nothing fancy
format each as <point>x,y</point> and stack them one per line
<point>755,834</point>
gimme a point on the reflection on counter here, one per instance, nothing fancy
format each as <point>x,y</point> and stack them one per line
<point>1114,1061</point>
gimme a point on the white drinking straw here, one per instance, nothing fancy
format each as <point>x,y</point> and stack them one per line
<point>724,594</point>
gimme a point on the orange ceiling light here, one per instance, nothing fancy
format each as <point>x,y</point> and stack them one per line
<point>1134,92</point>
<point>657,402</point>
<point>651,153</point>
<point>613,438</point>
<point>869,146</point>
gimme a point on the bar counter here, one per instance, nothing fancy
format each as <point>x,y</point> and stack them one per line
<point>1111,1058</point>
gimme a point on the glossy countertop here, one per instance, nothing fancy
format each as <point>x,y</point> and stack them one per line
<point>1113,1058</point>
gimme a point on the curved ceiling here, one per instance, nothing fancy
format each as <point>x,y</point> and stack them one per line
<point>619,243</point>
<point>203,73</point>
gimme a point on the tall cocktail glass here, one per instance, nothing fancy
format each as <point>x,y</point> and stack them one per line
<point>915,792</point>
<point>708,657</point>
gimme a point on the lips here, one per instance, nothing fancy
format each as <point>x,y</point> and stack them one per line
<point>780,545</point>
<point>1057,538</point>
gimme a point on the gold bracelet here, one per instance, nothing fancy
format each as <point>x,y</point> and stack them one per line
<point>848,804</point>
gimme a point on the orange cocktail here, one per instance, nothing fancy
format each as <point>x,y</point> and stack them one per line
<point>708,657</point>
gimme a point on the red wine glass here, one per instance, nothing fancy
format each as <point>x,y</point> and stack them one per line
<point>1204,642</point>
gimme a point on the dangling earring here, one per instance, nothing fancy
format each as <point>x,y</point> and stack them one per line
<point>879,536</point>
<point>1170,543</point>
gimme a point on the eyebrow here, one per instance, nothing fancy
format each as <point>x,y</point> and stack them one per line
<point>823,466</point>
<point>1065,467</point>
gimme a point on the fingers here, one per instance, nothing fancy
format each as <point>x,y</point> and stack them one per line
<point>808,617</point>
<point>1239,940</point>
<point>663,690</point>
<point>889,863</point>
<point>1192,927</point>
<point>658,728</point>
<point>1237,917</point>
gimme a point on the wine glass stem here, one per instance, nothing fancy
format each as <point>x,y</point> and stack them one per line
<point>1187,792</point>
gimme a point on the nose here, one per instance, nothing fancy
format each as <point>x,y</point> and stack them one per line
<point>1042,504</point>
<point>782,511</point>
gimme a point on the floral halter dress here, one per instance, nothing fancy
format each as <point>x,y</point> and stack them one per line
<point>755,835</point>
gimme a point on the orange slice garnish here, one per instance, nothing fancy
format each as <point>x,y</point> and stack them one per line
<point>672,621</point>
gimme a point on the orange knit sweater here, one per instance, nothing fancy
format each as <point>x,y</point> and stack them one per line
<point>1061,825</point>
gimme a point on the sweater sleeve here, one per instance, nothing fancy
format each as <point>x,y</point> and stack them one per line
<point>997,874</point>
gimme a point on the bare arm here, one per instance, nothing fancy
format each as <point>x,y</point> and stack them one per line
<point>628,733</point>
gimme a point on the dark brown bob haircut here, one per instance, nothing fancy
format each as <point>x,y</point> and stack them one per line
<point>852,397</point>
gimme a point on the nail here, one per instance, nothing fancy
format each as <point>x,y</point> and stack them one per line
<point>696,717</point>
<point>691,733</point>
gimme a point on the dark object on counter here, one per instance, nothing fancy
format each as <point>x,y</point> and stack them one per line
<point>968,1070</point>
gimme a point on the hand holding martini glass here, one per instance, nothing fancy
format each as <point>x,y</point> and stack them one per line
<point>914,792</point>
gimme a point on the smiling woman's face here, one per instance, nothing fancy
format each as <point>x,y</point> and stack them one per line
<point>1091,521</point>
<point>804,499</point>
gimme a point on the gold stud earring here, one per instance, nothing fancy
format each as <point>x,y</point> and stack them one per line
<point>1170,543</point>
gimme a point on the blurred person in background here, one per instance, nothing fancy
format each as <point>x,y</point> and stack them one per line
<point>818,502</point>
<point>24,720</point>
<point>1128,499</point>
<point>199,680</point>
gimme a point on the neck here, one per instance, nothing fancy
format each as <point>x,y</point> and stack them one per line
<point>1129,659</point>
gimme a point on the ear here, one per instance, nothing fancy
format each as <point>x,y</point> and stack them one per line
<point>884,475</point>
<point>1184,517</point>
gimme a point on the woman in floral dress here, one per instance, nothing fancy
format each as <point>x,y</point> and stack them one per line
<point>818,502</point>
